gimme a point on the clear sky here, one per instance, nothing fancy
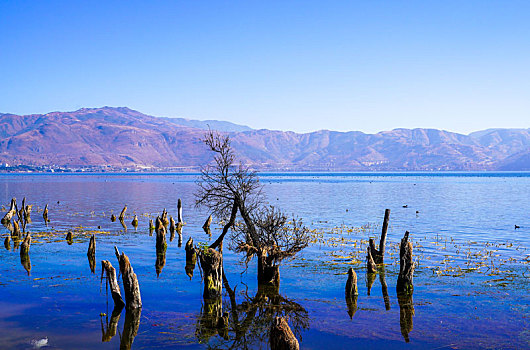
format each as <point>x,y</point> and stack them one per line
<point>288,65</point>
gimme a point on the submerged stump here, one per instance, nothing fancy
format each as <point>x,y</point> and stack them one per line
<point>122,214</point>
<point>112,281</point>
<point>191,257</point>
<point>211,262</point>
<point>133,299</point>
<point>45,214</point>
<point>378,255</point>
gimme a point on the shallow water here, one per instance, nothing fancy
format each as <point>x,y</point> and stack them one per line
<point>471,286</point>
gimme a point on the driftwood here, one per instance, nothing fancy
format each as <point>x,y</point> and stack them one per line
<point>179,211</point>
<point>191,258</point>
<point>45,214</point>
<point>134,221</point>
<point>110,272</point>
<point>281,337</point>
<point>206,226</point>
<point>11,212</point>
<point>133,299</point>
<point>378,255</point>
<point>406,267</point>
<point>122,214</point>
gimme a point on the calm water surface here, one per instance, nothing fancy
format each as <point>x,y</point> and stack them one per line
<point>471,286</point>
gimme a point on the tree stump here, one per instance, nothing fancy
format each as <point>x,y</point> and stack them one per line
<point>133,300</point>
<point>191,257</point>
<point>281,337</point>
<point>151,227</point>
<point>370,264</point>
<point>24,247</point>
<point>206,226</point>
<point>11,212</point>
<point>113,218</point>
<point>110,272</point>
<point>351,283</point>
<point>211,262</point>
<point>16,229</point>
<point>165,220</point>
<point>45,214</point>
<point>172,228</point>
<point>91,254</point>
<point>406,267</point>
<point>69,237</point>
<point>161,243</point>
<point>134,221</point>
<point>378,255</point>
<point>122,214</point>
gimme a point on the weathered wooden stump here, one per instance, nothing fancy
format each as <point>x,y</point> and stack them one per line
<point>11,212</point>
<point>165,220</point>
<point>172,228</point>
<point>122,222</point>
<point>281,337</point>
<point>378,255</point>
<point>370,264</point>
<point>45,214</point>
<point>24,247</point>
<point>113,218</point>
<point>122,214</point>
<point>406,267</point>
<point>206,226</point>
<point>91,254</point>
<point>161,243</point>
<point>134,221</point>
<point>112,281</point>
<point>151,227</point>
<point>351,283</point>
<point>7,243</point>
<point>211,262</point>
<point>69,238</point>
<point>133,299</point>
<point>16,229</point>
<point>191,257</point>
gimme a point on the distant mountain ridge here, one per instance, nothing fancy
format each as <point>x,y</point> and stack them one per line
<point>124,138</point>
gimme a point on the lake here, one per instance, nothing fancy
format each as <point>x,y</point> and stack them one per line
<point>471,283</point>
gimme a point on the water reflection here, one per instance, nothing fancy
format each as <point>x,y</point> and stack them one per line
<point>92,262</point>
<point>7,243</point>
<point>26,262</point>
<point>370,279</point>
<point>384,288</point>
<point>248,323</point>
<point>130,328</point>
<point>351,304</point>
<point>406,312</point>
<point>112,325</point>
<point>160,260</point>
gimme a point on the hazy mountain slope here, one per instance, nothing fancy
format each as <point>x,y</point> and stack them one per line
<point>121,137</point>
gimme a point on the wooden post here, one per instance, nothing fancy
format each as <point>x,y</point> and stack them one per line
<point>112,281</point>
<point>122,214</point>
<point>133,300</point>
<point>206,226</point>
<point>281,337</point>
<point>406,267</point>
<point>179,210</point>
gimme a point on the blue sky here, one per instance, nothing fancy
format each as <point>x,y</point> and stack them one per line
<point>288,65</point>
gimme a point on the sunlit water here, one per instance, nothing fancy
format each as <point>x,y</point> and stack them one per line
<point>471,285</point>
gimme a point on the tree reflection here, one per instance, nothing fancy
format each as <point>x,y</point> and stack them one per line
<point>406,312</point>
<point>248,323</point>
<point>130,326</point>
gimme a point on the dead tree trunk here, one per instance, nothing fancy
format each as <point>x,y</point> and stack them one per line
<point>378,255</point>
<point>133,300</point>
<point>110,272</point>
<point>268,273</point>
<point>406,267</point>
<point>281,337</point>
<point>179,211</point>
<point>206,226</point>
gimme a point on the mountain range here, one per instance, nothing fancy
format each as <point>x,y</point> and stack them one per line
<point>123,138</point>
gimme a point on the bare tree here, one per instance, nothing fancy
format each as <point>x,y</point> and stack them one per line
<point>227,189</point>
